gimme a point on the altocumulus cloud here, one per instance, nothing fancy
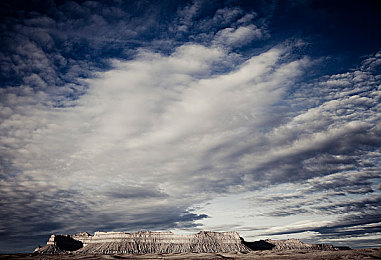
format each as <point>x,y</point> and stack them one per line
<point>106,126</point>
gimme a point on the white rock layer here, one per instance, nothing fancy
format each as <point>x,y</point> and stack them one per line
<point>154,242</point>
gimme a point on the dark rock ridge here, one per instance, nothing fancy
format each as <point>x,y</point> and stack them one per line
<point>289,244</point>
<point>165,242</point>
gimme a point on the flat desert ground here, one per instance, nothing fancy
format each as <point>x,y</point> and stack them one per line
<point>368,253</point>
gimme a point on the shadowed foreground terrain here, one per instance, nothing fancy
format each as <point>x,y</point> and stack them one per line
<point>369,253</point>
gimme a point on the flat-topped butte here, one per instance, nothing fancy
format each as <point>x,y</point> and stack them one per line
<point>147,242</point>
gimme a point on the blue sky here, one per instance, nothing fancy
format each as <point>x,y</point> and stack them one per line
<point>261,117</point>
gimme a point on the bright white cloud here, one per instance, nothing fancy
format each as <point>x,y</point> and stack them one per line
<point>236,37</point>
<point>164,126</point>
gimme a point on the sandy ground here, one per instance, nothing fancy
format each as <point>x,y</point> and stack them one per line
<point>369,253</point>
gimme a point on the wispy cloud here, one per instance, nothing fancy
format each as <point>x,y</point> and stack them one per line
<point>157,122</point>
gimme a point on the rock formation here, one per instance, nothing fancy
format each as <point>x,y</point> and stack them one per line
<point>289,244</point>
<point>292,244</point>
<point>167,242</point>
<point>144,243</point>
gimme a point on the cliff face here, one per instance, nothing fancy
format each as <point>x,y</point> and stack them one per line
<point>167,242</point>
<point>145,242</point>
<point>291,244</point>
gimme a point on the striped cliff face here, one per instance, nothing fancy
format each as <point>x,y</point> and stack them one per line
<point>146,242</point>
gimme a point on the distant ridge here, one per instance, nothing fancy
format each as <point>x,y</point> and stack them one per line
<point>148,242</point>
<point>289,244</point>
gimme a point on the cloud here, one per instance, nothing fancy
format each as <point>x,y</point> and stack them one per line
<point>315,141</point>
<point>133,192</point>
<point>170,131</point>
<point>230,27</point>
<point>239,36</point>
<point>353,225</point>
<point>349,221</point>
<point>149,130</point>
<point>187,15</point>
<point>316,163</point>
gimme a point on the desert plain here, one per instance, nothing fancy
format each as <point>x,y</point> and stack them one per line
<point>367,253</point>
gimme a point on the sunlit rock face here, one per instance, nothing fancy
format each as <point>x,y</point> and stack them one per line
<point>166,242</point>
<point>145,242</point>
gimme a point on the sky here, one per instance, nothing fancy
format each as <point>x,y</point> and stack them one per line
<point>261,117</point>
